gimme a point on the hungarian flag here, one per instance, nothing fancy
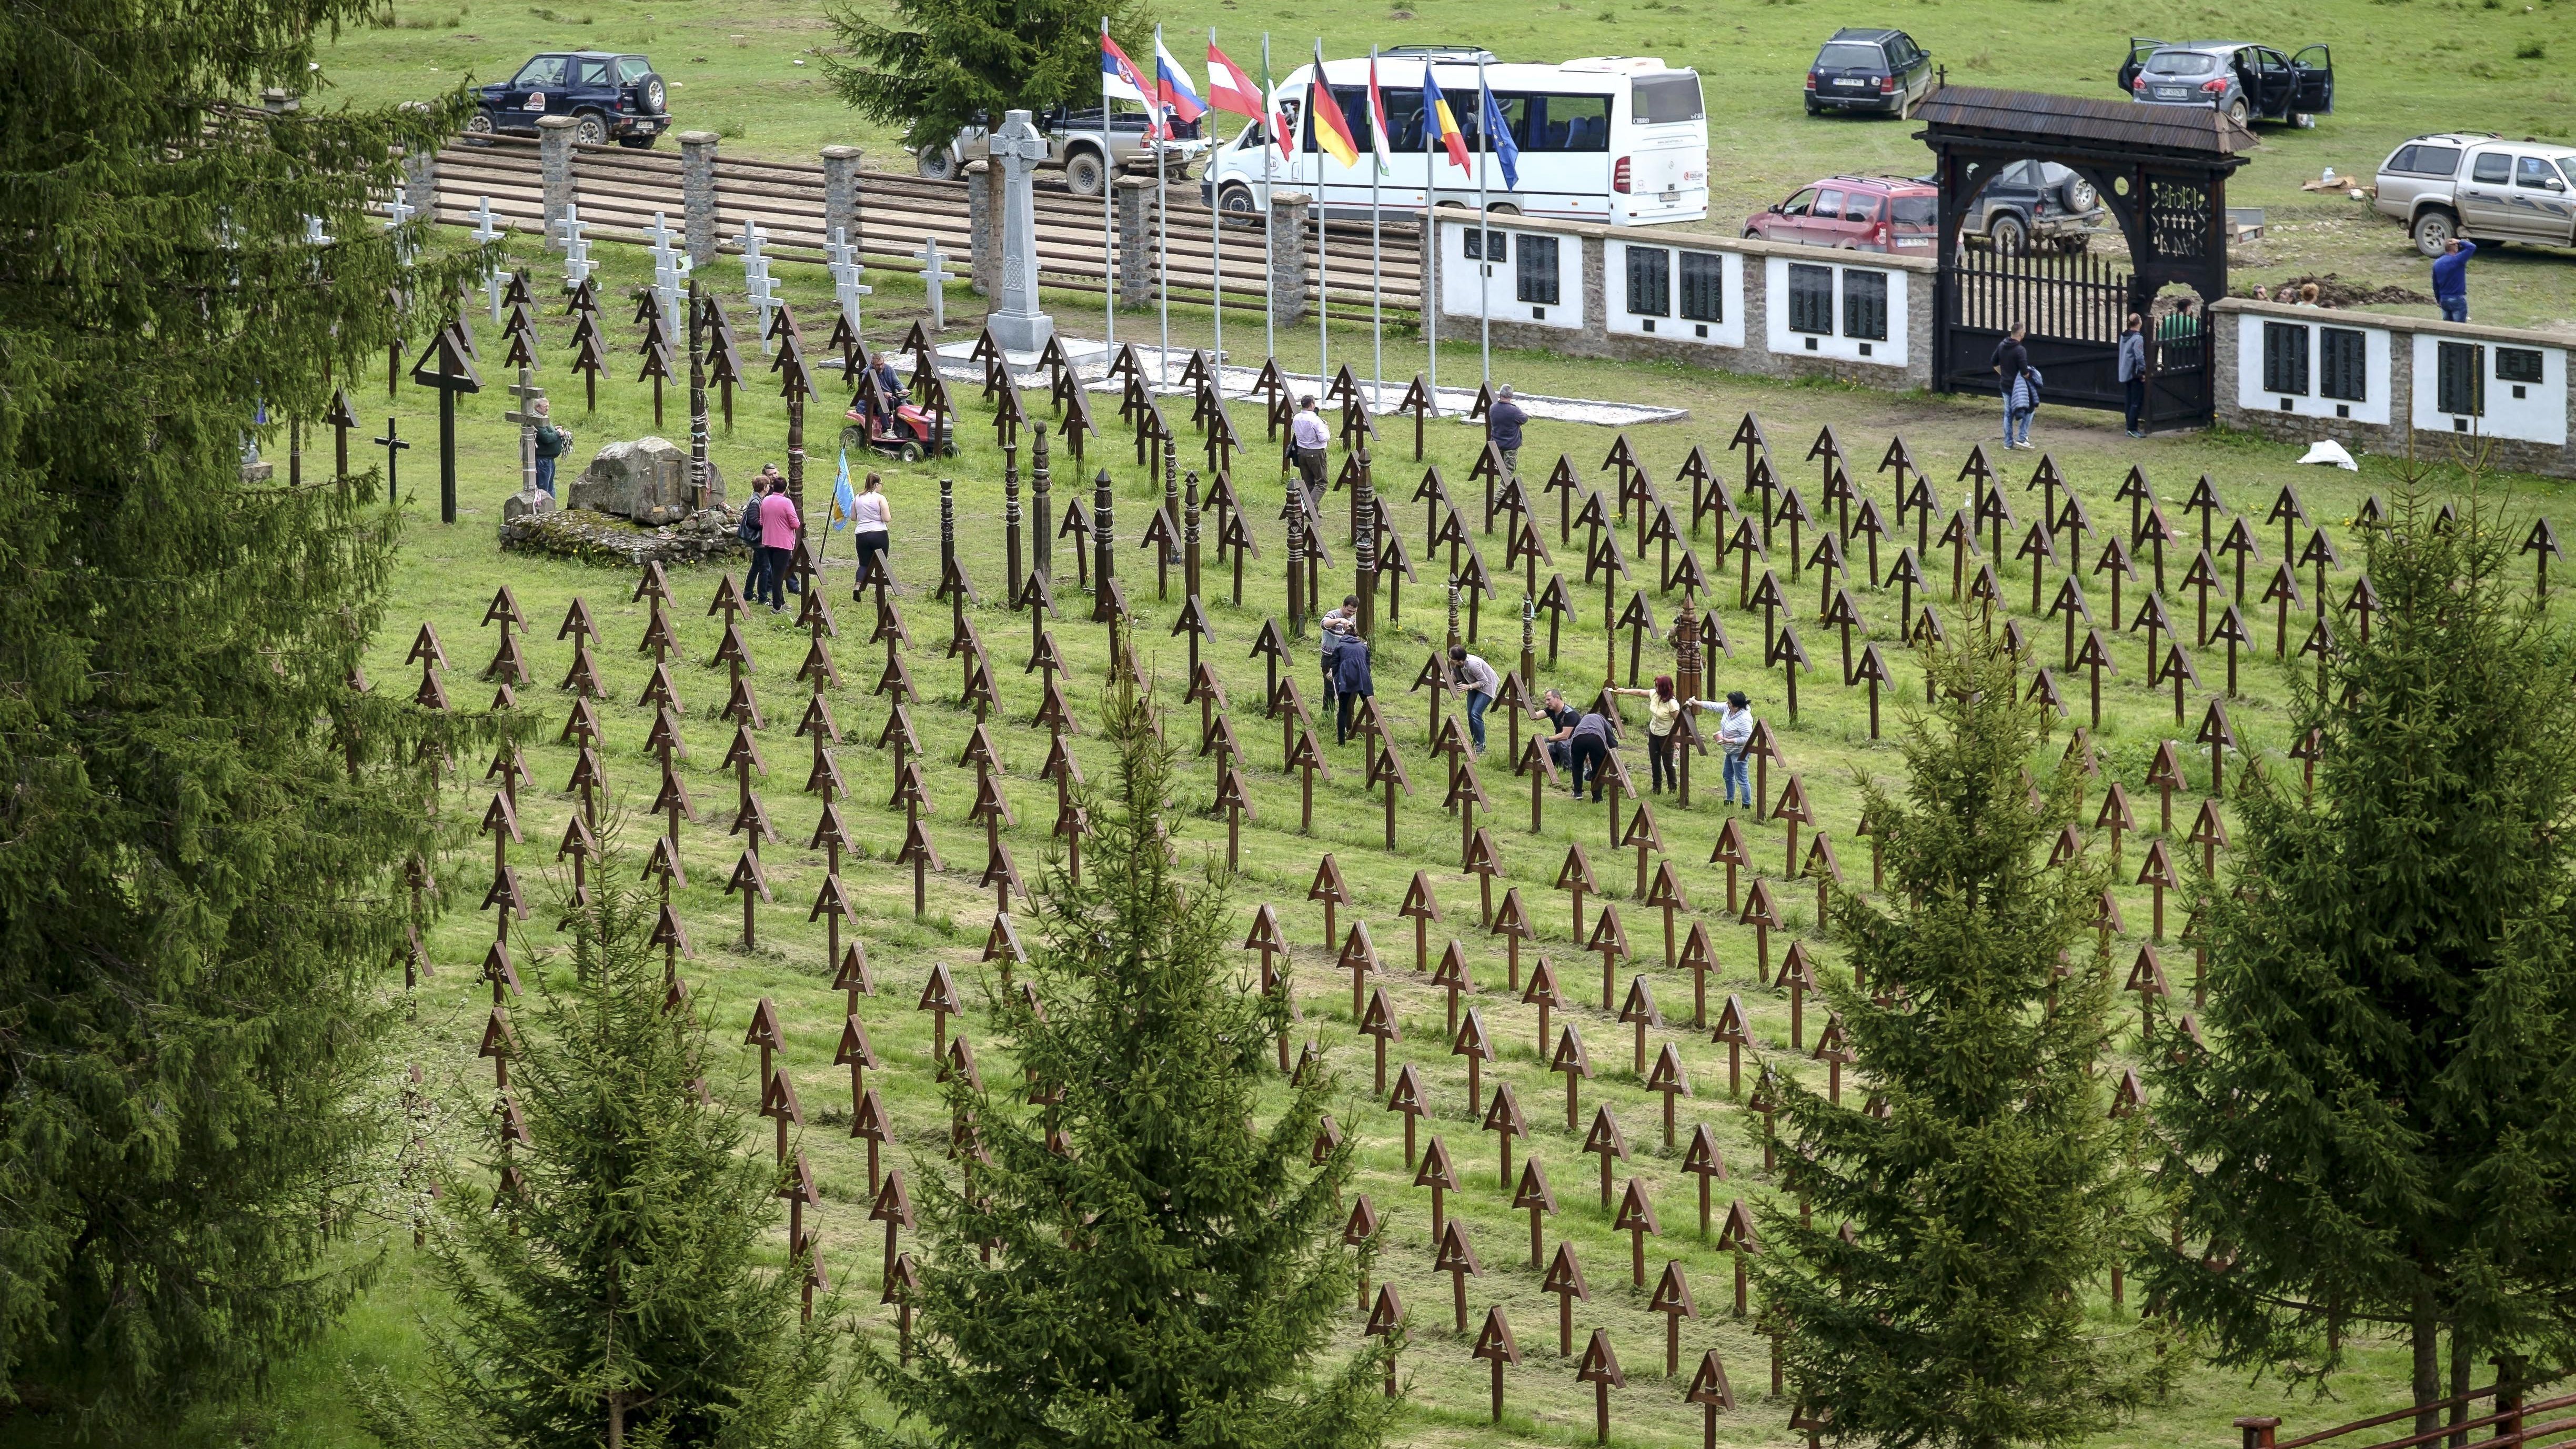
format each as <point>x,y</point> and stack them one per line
<point>1332,131</point>
<point>1444,124</point>
<point>1377,114</point>
<point>1229,89</point>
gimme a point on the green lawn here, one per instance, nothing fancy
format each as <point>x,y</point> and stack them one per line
<point>448,574</point>
<point>751,69</point>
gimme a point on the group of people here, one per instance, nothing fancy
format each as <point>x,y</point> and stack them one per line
<point>1584,738</point>
<point>771,523</point>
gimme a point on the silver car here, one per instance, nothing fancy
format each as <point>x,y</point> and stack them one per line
<point>2481,186</point>
<point>2245,81</point>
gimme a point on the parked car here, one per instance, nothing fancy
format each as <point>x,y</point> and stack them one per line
<point>1868,70</point>
<point>1856,213</point>
<point>2247,82</point>
<point>2478,185</point>
<point>608,96</point>
<point>1075,146</point>
<point>2035,203</point>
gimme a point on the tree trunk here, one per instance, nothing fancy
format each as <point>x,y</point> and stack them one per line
<point>616,1420</point>
<point>2462,1368</point>
<point>2427,1336</point>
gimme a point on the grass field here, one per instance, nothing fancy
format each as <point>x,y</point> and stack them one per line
<point>2405,68</point>
<point>448,574</point>
<point>752,70</point>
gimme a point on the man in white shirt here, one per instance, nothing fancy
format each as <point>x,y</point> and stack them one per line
<point>1310,437</point>
<point>1480,683</point>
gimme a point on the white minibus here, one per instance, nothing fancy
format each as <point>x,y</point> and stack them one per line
<point>1621,140</point>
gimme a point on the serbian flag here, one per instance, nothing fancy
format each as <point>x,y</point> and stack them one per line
<point>1377,115</point>
<point>1444,124</point>
<point>1229,89</point>
<point>1332,130</point>
<point>1119,78</point>
<point>1172,84</point>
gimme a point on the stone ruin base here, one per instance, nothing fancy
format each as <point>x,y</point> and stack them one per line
<point>597,538</point>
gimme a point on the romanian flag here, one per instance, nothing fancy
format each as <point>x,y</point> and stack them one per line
<point>1444,124</point>
<point>1332,130</point>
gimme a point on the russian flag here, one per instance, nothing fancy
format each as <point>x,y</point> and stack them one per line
<point>1174,85</point>
<point>1229,89</point>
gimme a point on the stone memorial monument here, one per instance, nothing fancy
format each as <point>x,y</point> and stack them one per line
<point>1016,322</point>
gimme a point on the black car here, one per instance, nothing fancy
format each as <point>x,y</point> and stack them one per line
<point>2034,203</point>
<point>608,96</point>
<point>1868,70</point>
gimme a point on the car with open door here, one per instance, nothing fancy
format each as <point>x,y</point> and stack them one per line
<point>2242,80</point>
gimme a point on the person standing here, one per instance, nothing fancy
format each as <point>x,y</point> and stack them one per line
<point>779,525</point>
<point>1310,437</point>
<point>872,519</point>
<point>775,483</point>
<point>1503,423</point>
<point>1478,681</point>
<point>552,443</point>
<point>1339,623</point>
<point>2181,324</point>
<point>1351,681</point>
<point>2021,403</point>
<point>1734,735</point>
<point>2011,360</point>
<point>1663,718</point>
<point>2133,374</point>
<point>2451,279</point>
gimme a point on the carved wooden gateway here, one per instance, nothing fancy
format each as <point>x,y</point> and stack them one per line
<point>2161,173</point>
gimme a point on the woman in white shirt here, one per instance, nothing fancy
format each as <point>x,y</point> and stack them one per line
<point>873,518</point>
<point>1734,732</point>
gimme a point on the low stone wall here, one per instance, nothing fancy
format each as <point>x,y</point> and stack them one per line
<point>597,538</point>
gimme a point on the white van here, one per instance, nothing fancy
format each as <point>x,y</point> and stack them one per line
<point>1616,139</point>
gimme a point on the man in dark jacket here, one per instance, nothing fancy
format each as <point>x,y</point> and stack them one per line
<point>1351,680</point>
<point>2010,358</point>
<point>1503,424</point>
<point>2133,374</point>
<point>551,443</point>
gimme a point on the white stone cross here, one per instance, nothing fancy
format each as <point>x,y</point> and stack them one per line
<point>670,271</point>
<point>756,279</point>
<point>935,277</point>
<point>397,212</point>
<point>846,271</point>
<point>1016,322</point>
<point>314,235</point>
<point>485,233</point>
<point>577,263</point>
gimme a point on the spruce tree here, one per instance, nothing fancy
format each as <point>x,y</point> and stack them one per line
<point>1166,1271</point>
<point>941,65</point>
<point>1982,1205</point>
<point>204,824</point>
<point>605,1282</point>
<point>2379,1132</point>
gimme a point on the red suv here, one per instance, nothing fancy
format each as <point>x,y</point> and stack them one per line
<point>1855,213</point>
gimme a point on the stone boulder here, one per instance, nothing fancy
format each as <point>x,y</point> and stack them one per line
<point>525,502</point>
<point>646,480</point>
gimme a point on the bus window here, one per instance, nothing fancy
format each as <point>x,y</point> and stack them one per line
<point>1568,123</point>
<point>1403,117</point>
<point>1470,112</point>
<point>1656,100</point>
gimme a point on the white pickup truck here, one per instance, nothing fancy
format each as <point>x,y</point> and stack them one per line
<point>1076,146</point>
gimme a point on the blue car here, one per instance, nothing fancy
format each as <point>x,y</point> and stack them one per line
<point>609,97</point>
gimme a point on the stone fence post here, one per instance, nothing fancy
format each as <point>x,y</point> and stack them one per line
<point>1135,242</point>
<point>698,195</point>
<point>984,227</point>
<point>554,161</point>
<point>841,192</point>
<point>1288,255</point>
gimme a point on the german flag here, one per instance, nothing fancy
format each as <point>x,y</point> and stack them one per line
<point>1332,130</point>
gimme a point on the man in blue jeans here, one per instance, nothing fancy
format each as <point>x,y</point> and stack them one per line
<point>1478,681</point>
<point>2451,279</point>
<point>2010,358</point>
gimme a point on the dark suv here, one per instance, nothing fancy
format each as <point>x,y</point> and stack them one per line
<point>608,97</point>
<point>1868,70</point>
<point>2034,203</point>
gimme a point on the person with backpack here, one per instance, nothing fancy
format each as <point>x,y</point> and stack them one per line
<point>747,529</point>
<point>552,443</point>
<point>2011,360</point>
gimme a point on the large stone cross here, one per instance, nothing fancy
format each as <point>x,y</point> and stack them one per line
<point>1016,322</point>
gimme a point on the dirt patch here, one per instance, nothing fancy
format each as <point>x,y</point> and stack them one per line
<point>2334,291</point>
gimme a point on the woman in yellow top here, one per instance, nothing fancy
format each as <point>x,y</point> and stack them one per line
<point>1663,728</point>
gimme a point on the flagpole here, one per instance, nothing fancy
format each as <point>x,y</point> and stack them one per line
<point>1216,235</point>
<point>1377,284</point>
<point>1274,143</point>
<point>1485,115</point>
<point>1430,234</point>
<point>1162,122</point>
<point>1323,223</point>
<point>1108,206</point>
